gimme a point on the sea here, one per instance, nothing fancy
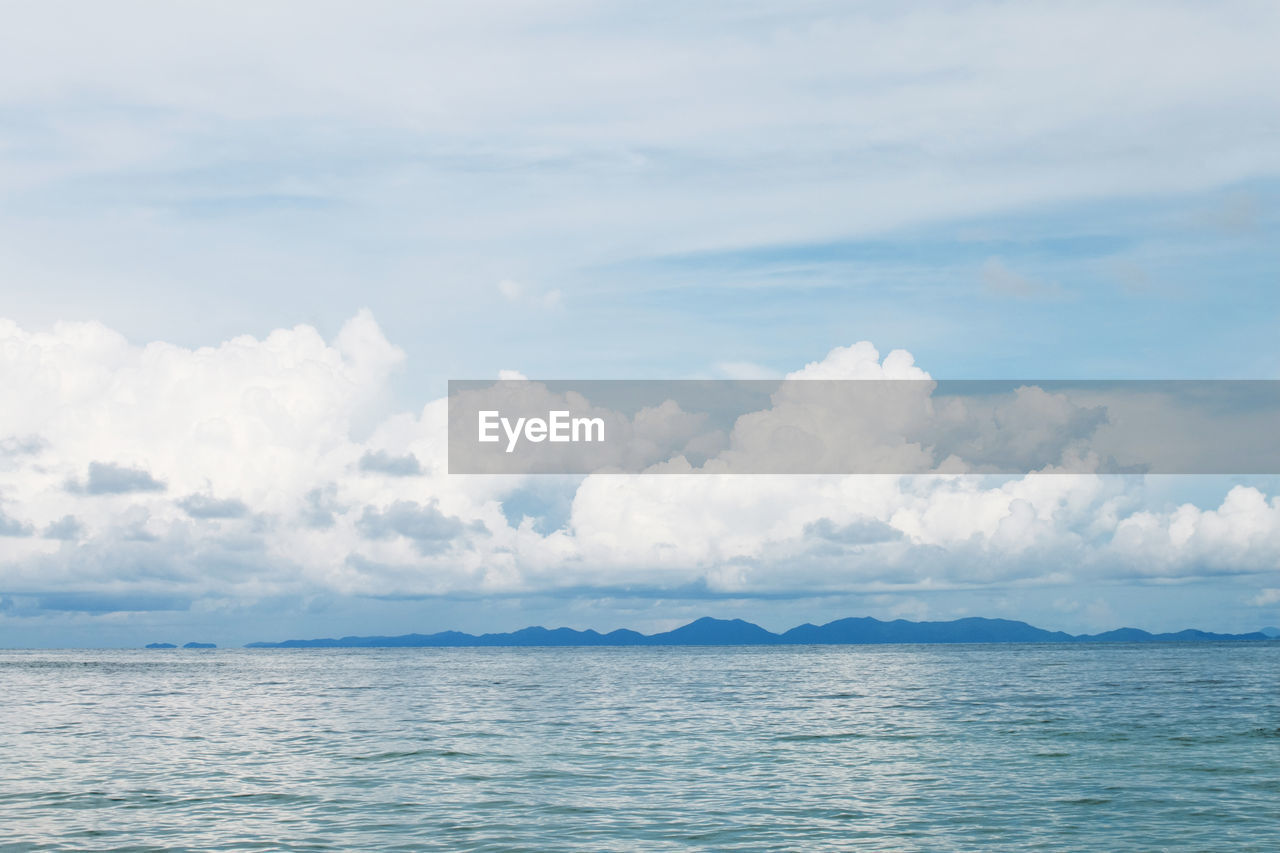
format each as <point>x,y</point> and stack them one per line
<point>885,748</point>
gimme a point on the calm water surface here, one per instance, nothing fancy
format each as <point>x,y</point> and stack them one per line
<point>808,748</point>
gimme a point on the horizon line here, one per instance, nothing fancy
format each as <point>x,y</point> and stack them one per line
<point>709,630</point>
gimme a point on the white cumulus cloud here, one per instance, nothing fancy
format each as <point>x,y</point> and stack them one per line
<point>234,472</point>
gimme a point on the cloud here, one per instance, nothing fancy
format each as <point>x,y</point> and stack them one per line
<point>106,478</point>
<point>514,291</point>
<point>804,129</point>
<point>824,122</point>
<point>382,462</point>
<point>860,531</point>
<point>1266,597</point>
<point>511,290</point>
<point>267,428</point>
<point>744,370</point>
<point>1238,213</point>
<point>429,528</point>
<point>92,603</point>
<point>320,507</point>
<point>1002,281</point>
<point>861,361</point>
<point>67,528</point>
<point>24,445</point>
<point>10,526</point>
<point>205,506</point>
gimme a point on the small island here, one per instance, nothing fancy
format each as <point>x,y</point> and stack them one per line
<point>160,646</point>
<point>199,646</point>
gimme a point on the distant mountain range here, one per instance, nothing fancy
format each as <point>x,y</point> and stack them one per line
<point>192,645</point>
<point>735,632</point>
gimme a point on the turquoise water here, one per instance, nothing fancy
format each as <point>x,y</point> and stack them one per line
<point>806,748</point>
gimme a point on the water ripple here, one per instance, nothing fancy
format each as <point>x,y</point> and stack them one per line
<point>814,748</point>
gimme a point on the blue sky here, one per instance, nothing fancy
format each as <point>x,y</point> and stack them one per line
<point>578,190</point>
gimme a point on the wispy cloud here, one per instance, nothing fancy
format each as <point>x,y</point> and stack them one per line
<point>1002,281</point>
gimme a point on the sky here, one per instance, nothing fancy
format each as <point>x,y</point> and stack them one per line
<point>244,246</point>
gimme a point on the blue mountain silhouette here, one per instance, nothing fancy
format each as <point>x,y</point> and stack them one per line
<point>737,632</point>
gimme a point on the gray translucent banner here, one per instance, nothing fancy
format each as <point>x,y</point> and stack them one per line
<point>864,426</point>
